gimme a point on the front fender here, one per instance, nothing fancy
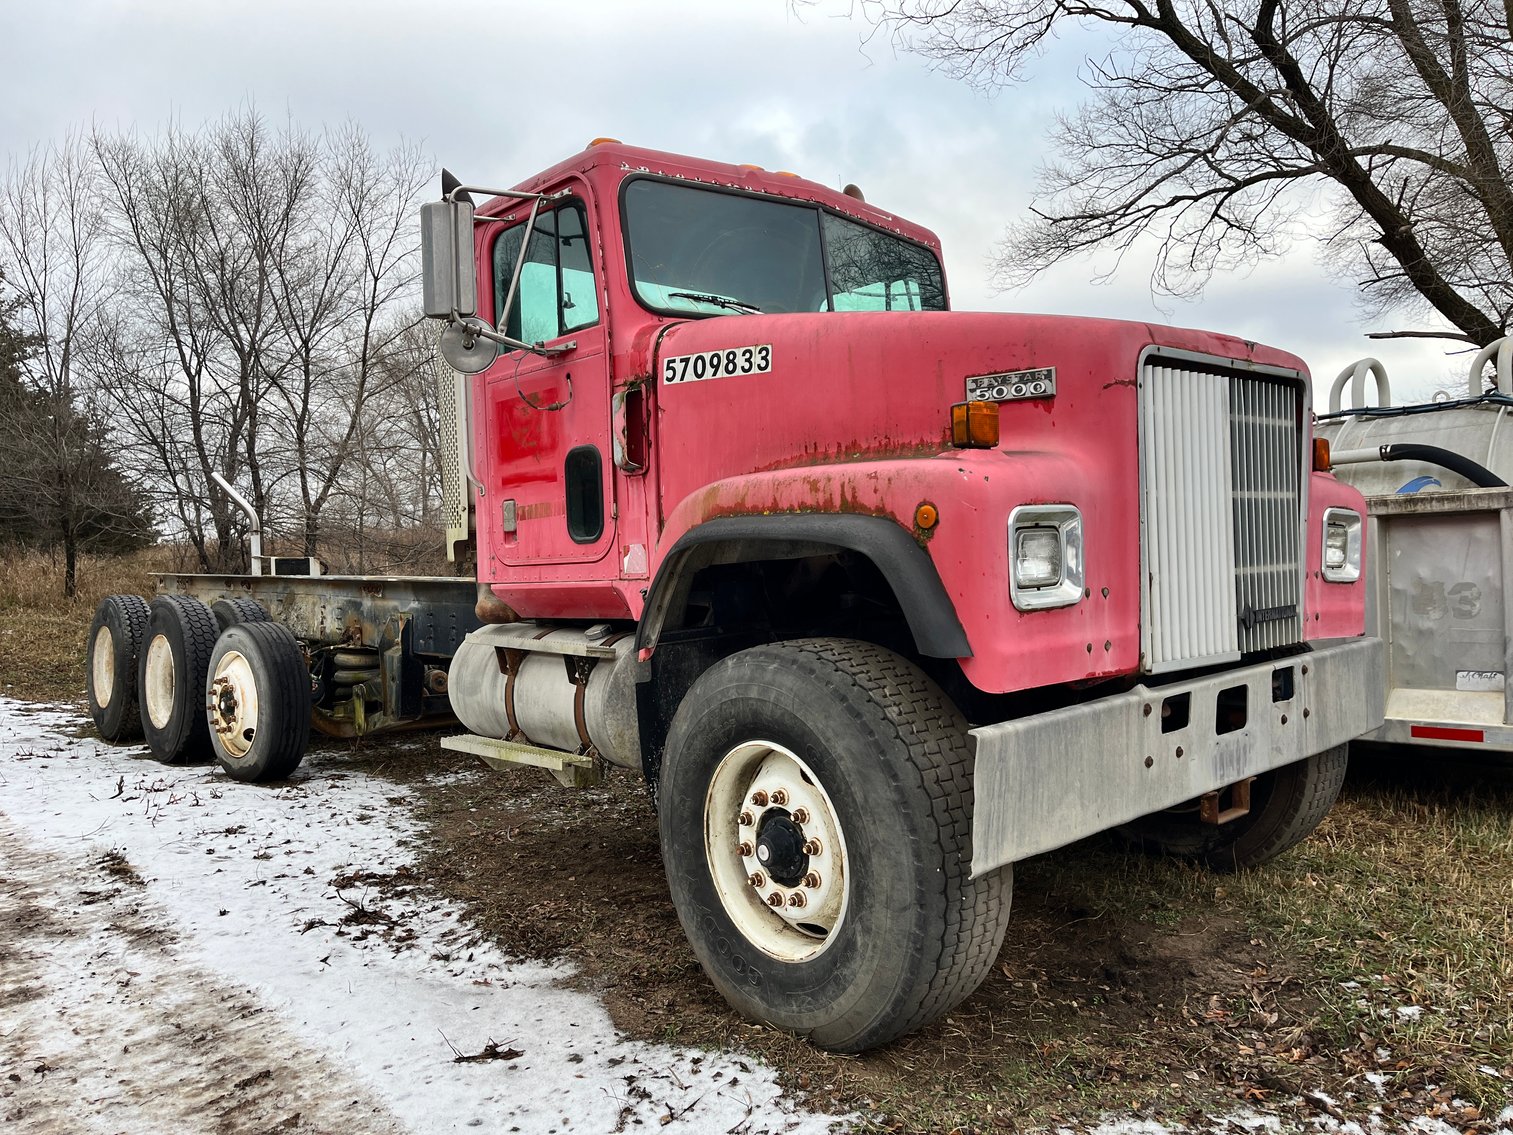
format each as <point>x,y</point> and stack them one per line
<point>973,492</point>
<point>733,539</point>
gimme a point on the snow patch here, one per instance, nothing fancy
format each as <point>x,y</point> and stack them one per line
<point>239,875</point>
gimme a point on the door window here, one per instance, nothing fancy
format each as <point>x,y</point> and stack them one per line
<point>556,294</point>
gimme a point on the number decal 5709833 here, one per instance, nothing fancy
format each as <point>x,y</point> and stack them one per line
<point>756,359</point>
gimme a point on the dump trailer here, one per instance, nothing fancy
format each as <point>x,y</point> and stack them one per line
<point>878,597</point>
<point>1440,515</point>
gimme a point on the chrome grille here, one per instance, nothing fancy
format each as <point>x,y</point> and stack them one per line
<point>1266,443</point>
<point>1221,511</point>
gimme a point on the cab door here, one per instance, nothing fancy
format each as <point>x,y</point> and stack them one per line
<point>547,454</point>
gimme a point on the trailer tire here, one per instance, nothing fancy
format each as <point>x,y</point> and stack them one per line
<point>257,702</point>
<point>892,930</point>
<point>110,667</point>
<point>1286,805</point>
<point>175,658</point>
<point>238,609</point>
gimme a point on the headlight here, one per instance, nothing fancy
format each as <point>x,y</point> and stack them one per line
<point>1045,556</point>
<point>1342,545</point>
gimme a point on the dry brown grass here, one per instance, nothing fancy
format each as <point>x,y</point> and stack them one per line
<point>42,632</point>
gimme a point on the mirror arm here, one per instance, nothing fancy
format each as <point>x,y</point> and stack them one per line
<point>525,244</point>
<point>463,190</point>
<point>479,329</point>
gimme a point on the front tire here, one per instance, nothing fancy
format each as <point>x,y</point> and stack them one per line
<point>175,658</point>
<point>1286,805</point>
<point>110,668</point>
<point>815,806</point>
<point>258,701</point>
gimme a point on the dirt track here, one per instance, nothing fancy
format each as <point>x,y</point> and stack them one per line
<point>106,1028</point>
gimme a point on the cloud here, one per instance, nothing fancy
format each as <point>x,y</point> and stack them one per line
<point>497,92</point>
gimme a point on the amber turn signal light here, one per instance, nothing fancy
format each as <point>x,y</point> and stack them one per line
<point>1321,462</point>
<point>974,425</point>
<point>925,516</point>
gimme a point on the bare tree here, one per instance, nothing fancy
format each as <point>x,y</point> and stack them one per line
<point>199,222</point>
<point>263,267</point>
<point>60,485</point>
<point>1223,130</point>
<point>355,264</point>
<point>258,327</point>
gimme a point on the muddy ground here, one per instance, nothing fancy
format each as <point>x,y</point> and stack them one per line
<point>1125,984</point>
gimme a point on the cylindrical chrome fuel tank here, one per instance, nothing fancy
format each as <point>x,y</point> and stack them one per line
<point>556,687</point>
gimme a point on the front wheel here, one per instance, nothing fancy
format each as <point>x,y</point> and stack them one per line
<point>1286,804</point>
<point>815,806</point>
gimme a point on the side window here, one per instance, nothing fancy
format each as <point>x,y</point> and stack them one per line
<point>585,494</point>
<point>579,298</point>
<point>556,293</point>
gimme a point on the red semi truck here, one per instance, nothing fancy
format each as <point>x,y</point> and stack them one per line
<point>879,597</point>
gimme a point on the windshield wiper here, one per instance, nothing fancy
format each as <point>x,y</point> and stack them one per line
<point>722,301</point>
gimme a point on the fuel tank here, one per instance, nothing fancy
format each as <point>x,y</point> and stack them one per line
<point>565,688</point>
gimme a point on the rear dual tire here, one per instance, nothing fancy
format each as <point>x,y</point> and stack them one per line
<point>110,671</point>
<point>198,682</point>
<point>257,699</point>
<point>181,633</point>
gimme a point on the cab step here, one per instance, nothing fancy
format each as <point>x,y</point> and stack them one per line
<point>570,769</point>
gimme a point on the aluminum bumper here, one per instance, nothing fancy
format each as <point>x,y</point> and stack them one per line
<point>1045,781</point>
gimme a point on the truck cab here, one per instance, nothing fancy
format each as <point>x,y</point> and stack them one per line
<point>880,597</point>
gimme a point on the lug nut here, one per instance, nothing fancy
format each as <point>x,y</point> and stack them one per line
<point>775,899</point>
<point>745,849</point>
<point>812,880</point>
<point>796,899</point>
<point>745,820</point>
<point>757,880</point>
<point>780,796</point>
<point>801,815</point>
<point>759,798</point>
<point>813,847</point>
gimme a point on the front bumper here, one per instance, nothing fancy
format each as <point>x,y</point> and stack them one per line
<point>1046,781</point>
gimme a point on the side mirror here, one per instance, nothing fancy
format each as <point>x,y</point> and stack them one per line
<point>448,284</point>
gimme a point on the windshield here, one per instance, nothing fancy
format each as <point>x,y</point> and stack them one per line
<point>710,252</point>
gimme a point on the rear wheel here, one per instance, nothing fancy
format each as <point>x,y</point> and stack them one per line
<point>815,806</point>
<point>258,702</point>
<point>238,609</point>
<point>175,658</point>
<point>1286,805</point>
<point>110,671</point>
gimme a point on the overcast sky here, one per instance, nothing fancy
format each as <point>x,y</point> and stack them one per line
<point>497,91</point>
